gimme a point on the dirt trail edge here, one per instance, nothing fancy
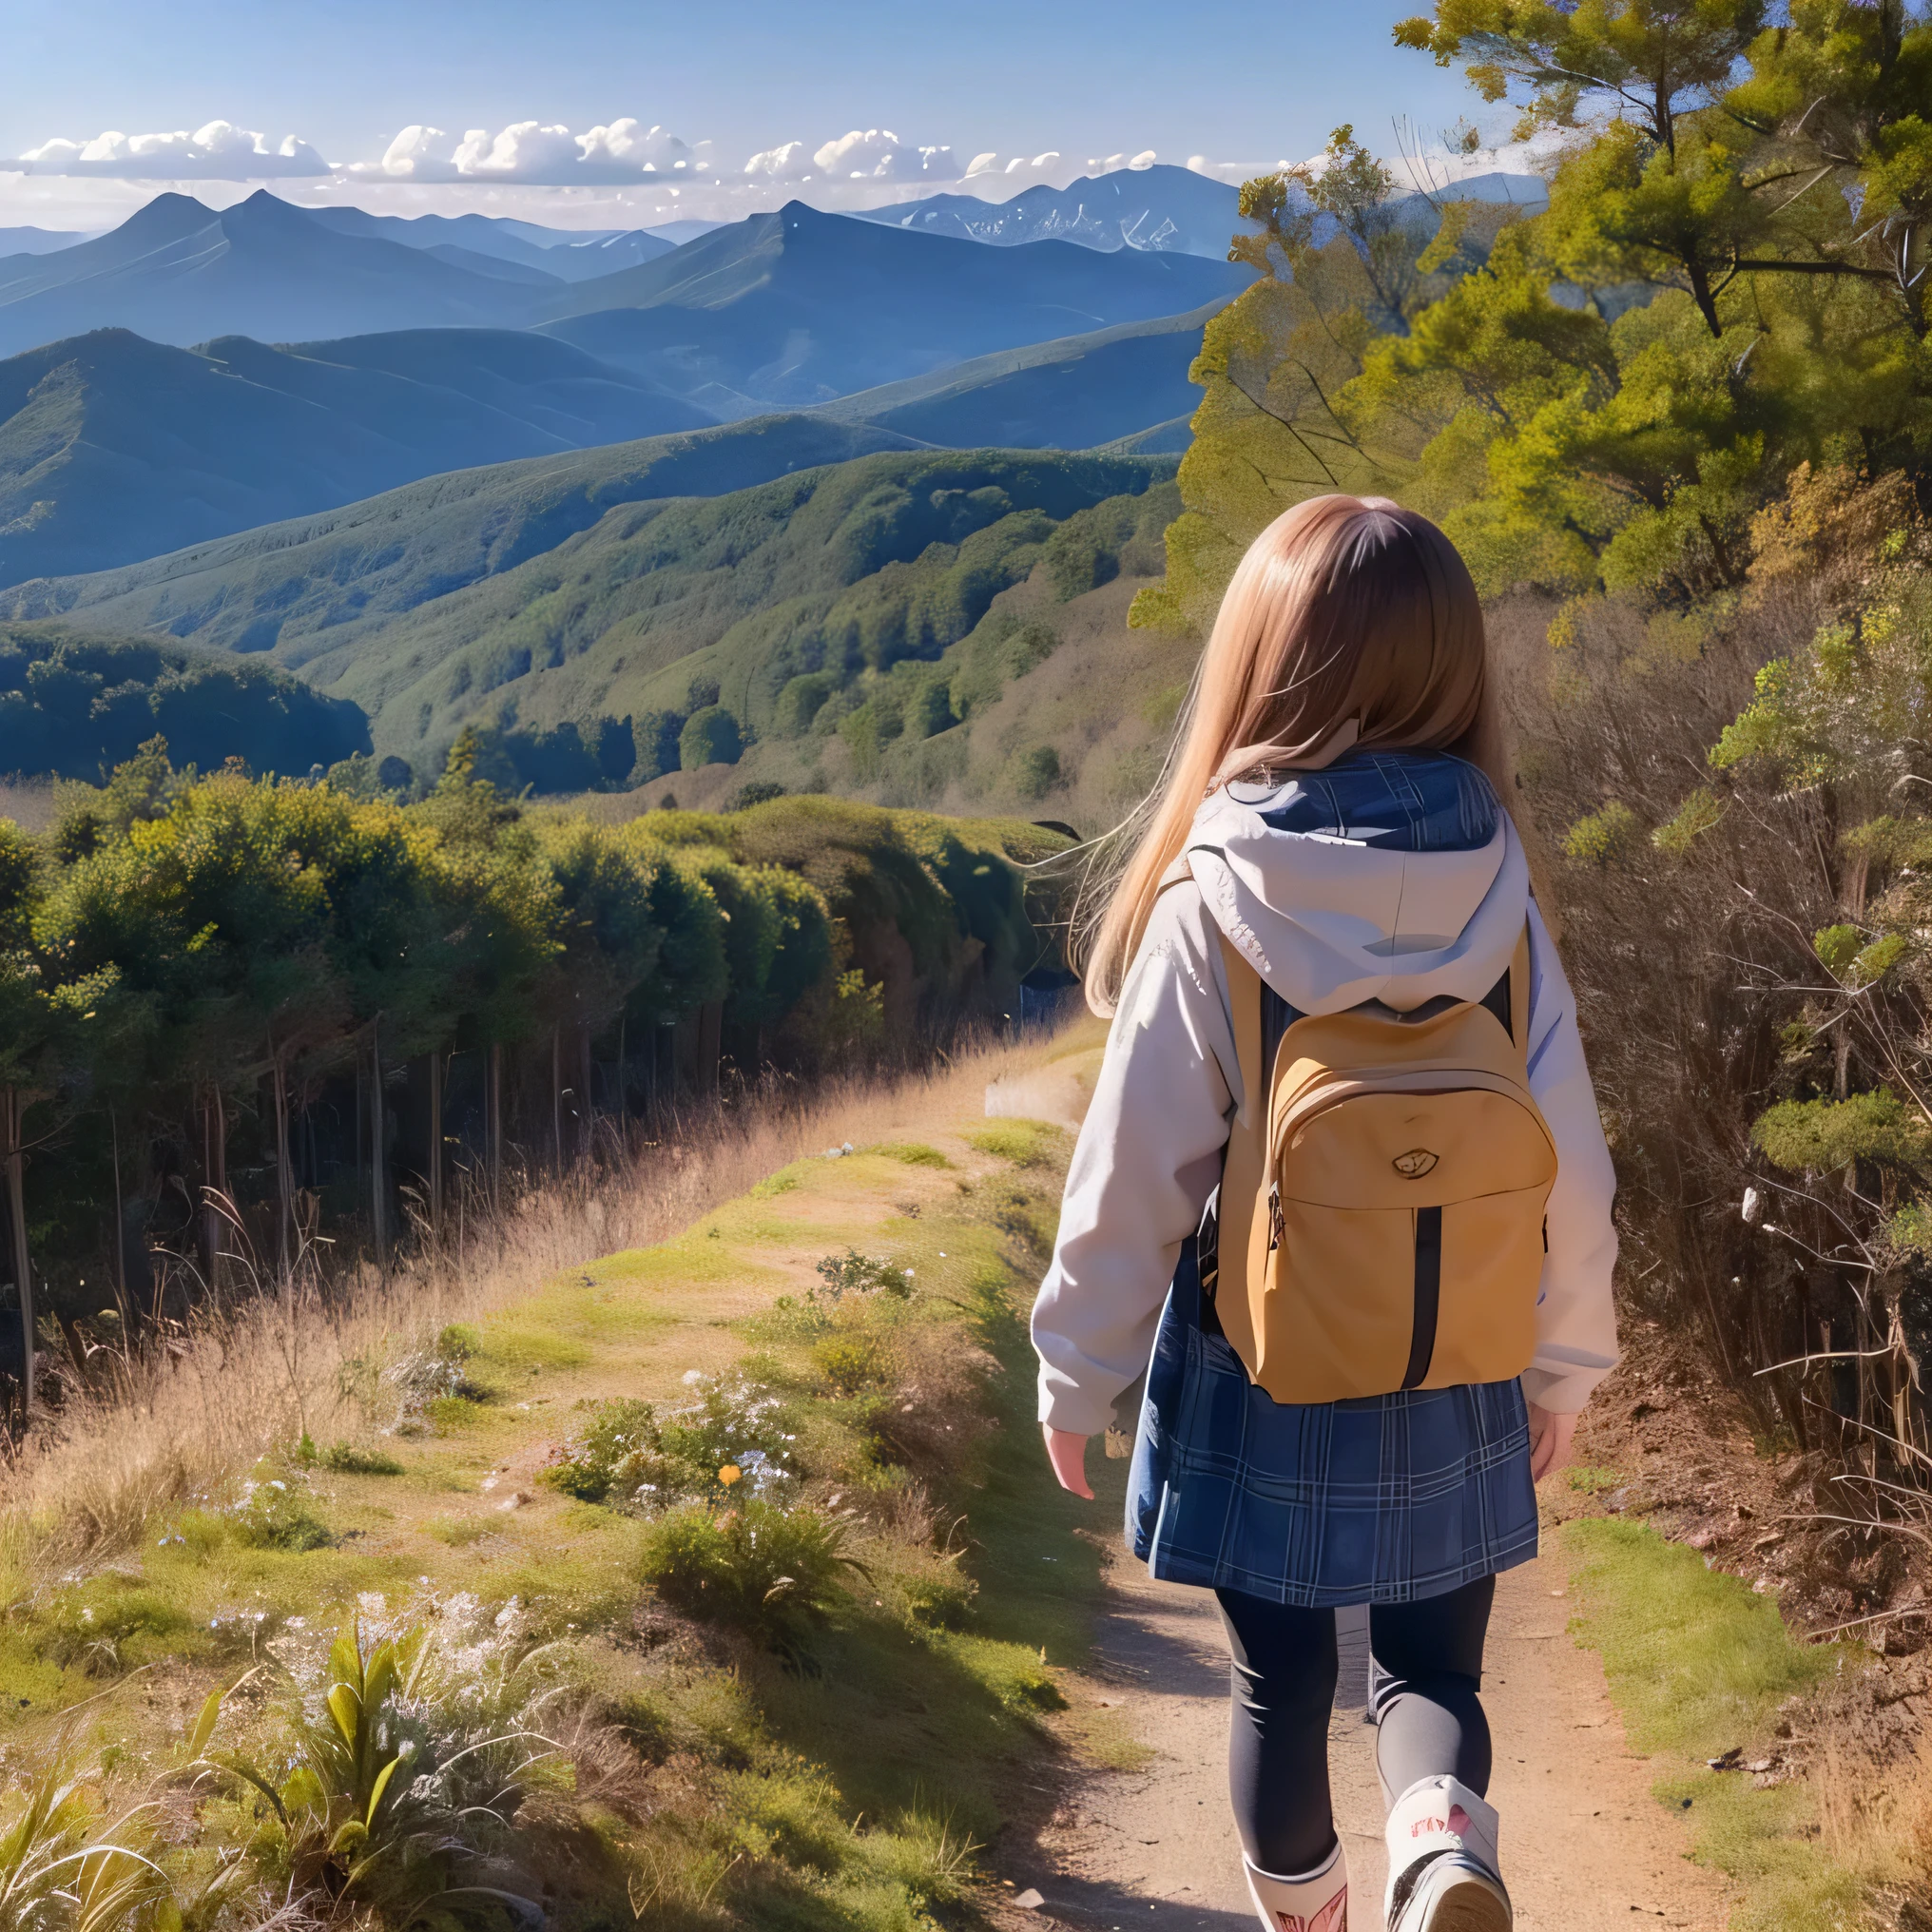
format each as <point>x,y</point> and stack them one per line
<point>1585,1846</point>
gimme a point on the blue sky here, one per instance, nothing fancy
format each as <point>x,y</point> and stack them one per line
<point>1232,81</point>
<point>1018,73</point>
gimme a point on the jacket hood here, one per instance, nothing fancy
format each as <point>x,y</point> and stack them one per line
<point>1331,917</point>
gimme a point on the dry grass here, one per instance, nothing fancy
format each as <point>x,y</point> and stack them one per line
<point>187,1419</point>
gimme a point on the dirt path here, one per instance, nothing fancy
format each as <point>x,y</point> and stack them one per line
<point>1585,1846</point>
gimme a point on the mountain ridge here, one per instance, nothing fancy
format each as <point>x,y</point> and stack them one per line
<point>796,308</point>
<point>113,448</point>
<point>178,272</point>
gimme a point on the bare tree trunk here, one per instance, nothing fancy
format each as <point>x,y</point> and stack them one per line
<point>377,1163</point>
<point>214,1179</point>
<point>493,1126</point>
<point>557,1096</point>
<point>438,1063</point>
<point>120,1224</point>
<point>285,1177</point>
<point>586,1113</point>
<point>11,1113</point>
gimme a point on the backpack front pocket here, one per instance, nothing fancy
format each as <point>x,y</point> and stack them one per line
<point>1405,1245</point>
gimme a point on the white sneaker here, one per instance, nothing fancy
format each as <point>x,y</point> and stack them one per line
<point>1444,1874</point>
<point>1316,1902</point>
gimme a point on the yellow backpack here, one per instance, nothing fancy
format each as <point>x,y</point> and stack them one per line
<point>1381,1211</point>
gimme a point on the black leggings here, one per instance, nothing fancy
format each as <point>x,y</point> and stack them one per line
<point>1429,1721</point>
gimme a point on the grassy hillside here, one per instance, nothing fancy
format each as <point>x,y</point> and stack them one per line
<point>1078,393</point>
<point>287,583</point>
<point>1050,708</point>
<point>761,608</point>
<point>113,448</point>
<point>76,706</point>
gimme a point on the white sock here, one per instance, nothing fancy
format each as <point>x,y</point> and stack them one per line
<point>1315,1902</point>
<point>1437,1815</point>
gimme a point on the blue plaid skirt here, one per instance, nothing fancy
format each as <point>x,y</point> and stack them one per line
<point>1384,1499</point>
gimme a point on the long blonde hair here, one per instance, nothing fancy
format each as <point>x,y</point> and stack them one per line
<point>1350,622</point>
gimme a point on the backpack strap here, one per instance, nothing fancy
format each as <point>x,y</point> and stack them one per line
<point>1244,1179</point>
<point>1520,994</point>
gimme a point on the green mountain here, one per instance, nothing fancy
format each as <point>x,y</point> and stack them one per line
<point>912,626</point>
<point>1078,393</point>
<point>801,307</point>
<point>76,706</point>
<point>761,606</point>
<point>114,448</point>
<point>295,585</point>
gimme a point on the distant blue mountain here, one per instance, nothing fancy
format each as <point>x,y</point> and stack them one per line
<point>801,307</point>
<point>1158,208</point>
<point>113,448</point>
<point>1116,386</point>
<point>37,240</point>
<point>179,272</point>
<point>468,240</point>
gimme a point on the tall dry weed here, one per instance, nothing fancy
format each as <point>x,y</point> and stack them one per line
<point>1677,954</point>
<point>148,1428</point>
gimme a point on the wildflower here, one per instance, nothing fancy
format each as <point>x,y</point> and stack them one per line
<point>729,1473</point>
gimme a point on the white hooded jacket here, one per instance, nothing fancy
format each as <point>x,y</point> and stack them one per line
<point>1328,922</point>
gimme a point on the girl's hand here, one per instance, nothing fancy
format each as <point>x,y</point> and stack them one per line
<point>1067,1452</point>
<point>1550,1440</point>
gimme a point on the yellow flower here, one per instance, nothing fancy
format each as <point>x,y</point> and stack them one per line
<point>729,1473</point>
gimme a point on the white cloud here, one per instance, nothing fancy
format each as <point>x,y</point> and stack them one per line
<point>524,152</point>
<point>629,145</point>
<point>218,151</point>
<point>791,161</point>
<point>414,155</point>
<point>616,154</point>
<point>625,172</point>
<point>1012,174</point>
<point>879,154</point>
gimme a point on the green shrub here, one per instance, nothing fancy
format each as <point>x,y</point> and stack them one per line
<point>800,701</point>
<point>771,1573</point>
<point>1025,1143</point>
<point>732,1424</point>
<point>849,1363</point>
<point>710,737</point>
<point>618,1452</point>
<point>862,1274</point>
<point>1035,772</point>
<point>97,1626</point>
<point>276,1513</point>
<point>942,1602</point>
<point>346,1460</point>
<point>1605,838</point>
<point>1821,1136</point>
<point>915,1153</point>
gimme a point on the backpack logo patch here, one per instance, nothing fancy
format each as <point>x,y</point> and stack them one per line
<point>1415,1163</point>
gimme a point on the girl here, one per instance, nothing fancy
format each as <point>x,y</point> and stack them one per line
<point>1352,1388</point>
